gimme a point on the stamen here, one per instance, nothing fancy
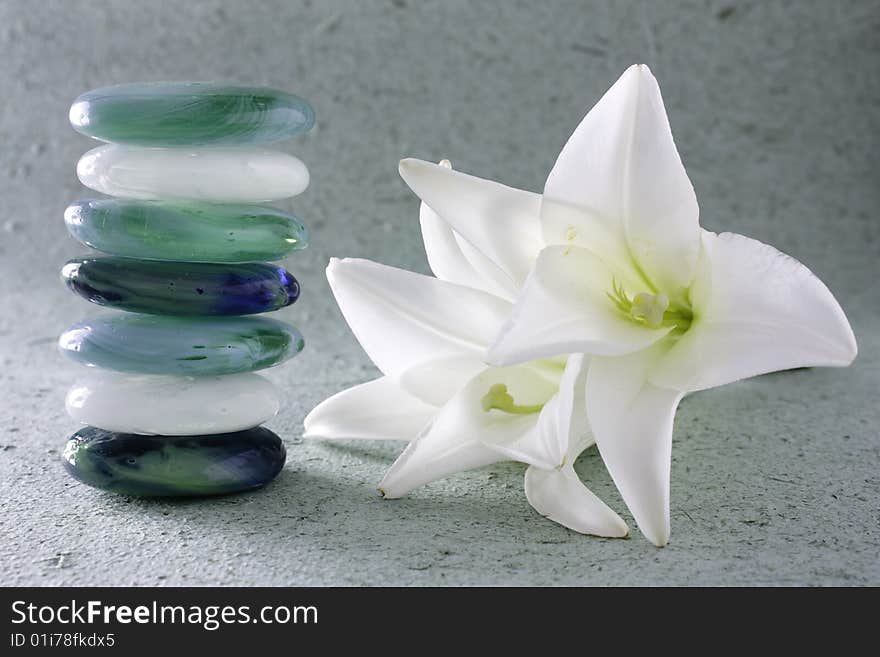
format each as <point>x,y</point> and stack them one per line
<point>619,297</point>
<point>499,399</point>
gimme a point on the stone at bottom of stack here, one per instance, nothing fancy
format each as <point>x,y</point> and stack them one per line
<point>172,466</point>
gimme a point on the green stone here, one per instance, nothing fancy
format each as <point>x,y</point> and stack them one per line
<point>189,114</point>
<point>185,231</point>
<point>152,344</point>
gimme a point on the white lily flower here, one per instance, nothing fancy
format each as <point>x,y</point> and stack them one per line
<point>429,338</point>
<point>662,306</point>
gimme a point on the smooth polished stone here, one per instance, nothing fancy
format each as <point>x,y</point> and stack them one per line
<point>189,114</point>
<point>152,344</point>
<point>187,231</point>
<point>181,288</point>
<point>162,466</point>
<point>173,405</point>
<point>221,175</point>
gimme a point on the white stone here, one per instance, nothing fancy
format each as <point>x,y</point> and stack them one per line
<point>241,174</point>
<point>172,405</point>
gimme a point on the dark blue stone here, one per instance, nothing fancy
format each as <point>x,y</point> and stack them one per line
<point>181,288</point>
<point>174,466</point>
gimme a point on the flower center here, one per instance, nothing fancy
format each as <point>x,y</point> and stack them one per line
<point>501,400</point>
<point>651,309</point>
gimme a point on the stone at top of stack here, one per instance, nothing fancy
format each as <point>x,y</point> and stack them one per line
<point>178,412</point>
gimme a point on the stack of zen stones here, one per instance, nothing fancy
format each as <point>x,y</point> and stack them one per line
<point>171,405</point>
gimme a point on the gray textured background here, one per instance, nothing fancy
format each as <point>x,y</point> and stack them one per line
<point>774,108</point>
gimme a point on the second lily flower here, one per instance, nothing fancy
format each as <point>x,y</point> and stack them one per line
<point>429,337</point>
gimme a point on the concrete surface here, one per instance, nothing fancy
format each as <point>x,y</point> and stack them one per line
<point>774,107</point>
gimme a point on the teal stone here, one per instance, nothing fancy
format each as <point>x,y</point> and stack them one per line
<point>174,466</point>
<point>189,114</point>
<point>181,288</point>
<point>152,344</point>
<point>185,231</point>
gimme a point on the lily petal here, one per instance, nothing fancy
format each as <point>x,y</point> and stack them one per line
<point>757,311</point>
<point>376,410</point>
<point>631,420</point>
<point>622,173</point>
<point>437,380</point>
<point>501,222</point>
<point>494,279</point>
<point>404,320</point>
<point>564,308</point>
<point>561,496</point>
<point>453,259</point>
<point>464,435</point>
<point>563,430</point>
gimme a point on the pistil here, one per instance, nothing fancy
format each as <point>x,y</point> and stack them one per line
<point>651,309</point>
<point>500,399</point>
